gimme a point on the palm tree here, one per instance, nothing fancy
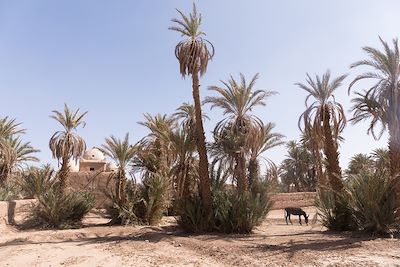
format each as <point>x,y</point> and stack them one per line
<point>14,154</point>
<point>381,103</point>
<point>237,100</point>
<point>19,154</point>
<point>8,128</point>
<point>261,139</point>
<point>359,163</point>
<point>327,118</point>
<point>193,55</point>
<point>67,144</point>
<point>314,144</point>
<point>381,158</point>
<point>295,167</point>
<point>122,153</point>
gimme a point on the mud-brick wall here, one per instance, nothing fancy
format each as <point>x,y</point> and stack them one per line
<point>98,183</point>
<point>299,199</point>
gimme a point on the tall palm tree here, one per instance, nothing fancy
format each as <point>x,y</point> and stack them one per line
<point>67,144</point>
<point>261,139</point>
<point>237,100</point>
<point>327,118</point>
<point>122,153</point>
<point>193,54</point>
<point>381,103</point>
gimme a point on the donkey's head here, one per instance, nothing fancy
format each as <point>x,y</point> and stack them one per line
<point>306,218</point>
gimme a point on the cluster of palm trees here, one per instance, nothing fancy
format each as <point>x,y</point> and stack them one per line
<point>324,120</point>
<point>176,154</point>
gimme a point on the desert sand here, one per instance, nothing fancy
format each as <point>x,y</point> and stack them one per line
<point>272,244</point>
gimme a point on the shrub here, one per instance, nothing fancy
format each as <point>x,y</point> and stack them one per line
<point>232,212</point>
<point>37,181</point>
<point>55,208</point>
<point>240,213</point>
<point>126,213</point>
<point>334,217</point>
<point>372,201</point>
<point>192,217</point>
<point>145,203</point>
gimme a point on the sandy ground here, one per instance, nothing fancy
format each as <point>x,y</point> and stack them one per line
<point>272,244</point>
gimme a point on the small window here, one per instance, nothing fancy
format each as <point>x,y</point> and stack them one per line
<point>91,169</point>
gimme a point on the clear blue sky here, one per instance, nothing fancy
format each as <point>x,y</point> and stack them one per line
<point>115,59</point>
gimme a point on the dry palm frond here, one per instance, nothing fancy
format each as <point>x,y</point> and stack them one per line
<point>66,144</point>
<point>322,91</point>
<point>193,53</point>
<point>381,102</point>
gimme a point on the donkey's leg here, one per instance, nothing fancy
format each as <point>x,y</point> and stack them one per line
<point>300,219</point>
<point>286,216</point>
<point>289,219</point>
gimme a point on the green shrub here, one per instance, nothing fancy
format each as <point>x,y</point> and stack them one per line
<point>37,181</point>
<point>232,212</point>
<point>145,203</point>
<point>55,208</point>
<point>240,213</point>
<point>192,217</point>
<point>334,217</point>
<point>372,201</point>
<point>127,213</point>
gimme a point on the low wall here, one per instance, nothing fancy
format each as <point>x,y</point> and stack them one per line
<point>299,199</point>
<point>15,211</point>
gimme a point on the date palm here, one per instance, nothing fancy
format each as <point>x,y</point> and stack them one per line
<point>381,158</point>
<point>261,139</point>
<point>381,103</point>
<point>8,128</point>
<point>360,163</point>
<point>193,54</point>
<point>122,153</point>
<point>327,118</point>
<point>19,154</point>
<point>67,144</point>
<point>237,100</point>
<point>315,145</point>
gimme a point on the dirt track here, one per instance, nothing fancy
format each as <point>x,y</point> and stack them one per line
<point>273,244</point>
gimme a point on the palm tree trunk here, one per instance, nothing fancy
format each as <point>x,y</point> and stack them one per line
<point>253,171</point>
<point>120,188</point>
<point>318,165</point>
<point>332,156</point>
<point>241,173</point>
<point>394,154</point>
<point>201,147</point>
<point>63,173</point>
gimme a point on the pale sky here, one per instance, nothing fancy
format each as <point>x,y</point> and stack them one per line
<point>116,60</point>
